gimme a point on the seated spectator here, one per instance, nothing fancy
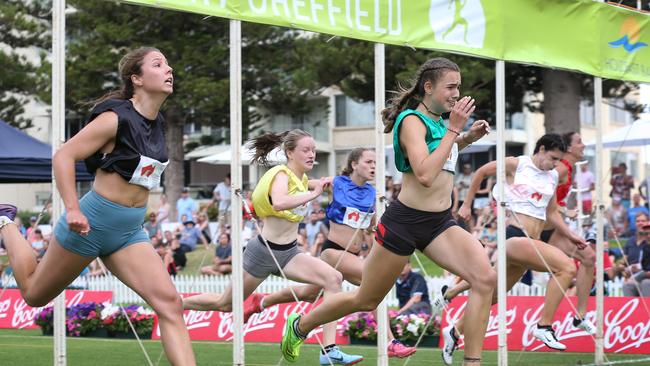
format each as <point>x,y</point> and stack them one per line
<point>634,245</point>
<point>638,274</point>
<point>488,238</point>
<point>190,236</point>
<point>165,253</point>
<point>152,226</point>
<point>222,262</point>
<point>38,243</point>
<point>313,227</point>
<point>318,245</point>
<point>168,237</point>
<point>633,211</point>
<point>203,224</point>
<point>412,292</point>
<point>617,219</point>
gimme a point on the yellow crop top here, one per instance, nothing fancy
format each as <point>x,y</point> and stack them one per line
<point>262,195</point>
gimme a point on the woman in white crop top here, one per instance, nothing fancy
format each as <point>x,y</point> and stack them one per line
<point>530,195</point>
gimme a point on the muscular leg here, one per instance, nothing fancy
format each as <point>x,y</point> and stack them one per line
<point>140,268</point>
<point>307,269</point>
<point>40,282</point>
<point>461,254</point>
<point>304,293</point>
<point>585,276</point>
<point>379,274</point>
<point>221,302</point>
<point>521,252</point>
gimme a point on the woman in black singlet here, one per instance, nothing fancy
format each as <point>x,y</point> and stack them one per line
<point>124,145</point>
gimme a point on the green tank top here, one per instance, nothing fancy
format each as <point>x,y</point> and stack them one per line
<point>435,132</point>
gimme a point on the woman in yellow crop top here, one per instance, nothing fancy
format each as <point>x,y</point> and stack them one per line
<point>280,200</point>
<point>107,221</point>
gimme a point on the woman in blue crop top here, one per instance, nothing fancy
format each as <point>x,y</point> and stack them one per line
<point>351,213</point>
<point>124,144</point>
<point>425,150</point>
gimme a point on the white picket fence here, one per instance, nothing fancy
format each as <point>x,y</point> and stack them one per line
<point>217,284</point>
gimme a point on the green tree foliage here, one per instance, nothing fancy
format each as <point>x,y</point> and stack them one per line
<point>24,33</point>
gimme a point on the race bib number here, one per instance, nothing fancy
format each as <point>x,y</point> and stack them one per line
<point>357,219</point>
<point>450,164</point>
<point>148,173</point>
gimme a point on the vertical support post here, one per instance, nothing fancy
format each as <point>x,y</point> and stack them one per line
<point>380,174</point>
<point>236,182</point>
<point>501,212</point>
<point>600,237</point>
<point>58,135</point>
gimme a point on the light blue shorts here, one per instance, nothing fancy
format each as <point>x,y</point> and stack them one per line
<point>112,227</point>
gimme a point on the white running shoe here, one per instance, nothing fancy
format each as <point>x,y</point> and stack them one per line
<point>546,334</point>
<point>450,344</point>
<point>440,302</point>
<point>585,325</point>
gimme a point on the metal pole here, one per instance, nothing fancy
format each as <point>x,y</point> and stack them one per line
<point>600,238</point>
<point>58,134</point>
<point>236,184</point>
<point>501,212</point>
<point>380,173</point>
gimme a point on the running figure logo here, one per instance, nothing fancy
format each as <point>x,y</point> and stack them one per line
<point>460,22</point>
<point>147,170</point>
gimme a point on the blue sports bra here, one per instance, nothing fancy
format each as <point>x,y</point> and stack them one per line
<point>351,204</point>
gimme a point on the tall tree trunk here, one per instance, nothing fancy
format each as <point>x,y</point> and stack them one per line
<point>561,101</point>
<point>174,173</point>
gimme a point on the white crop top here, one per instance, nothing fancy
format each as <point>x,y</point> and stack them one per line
<point>532,189</point>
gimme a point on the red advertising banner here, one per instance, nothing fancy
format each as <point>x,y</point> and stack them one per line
<point>626,324</point>
<point>15,313</point>
<point>266,326</point>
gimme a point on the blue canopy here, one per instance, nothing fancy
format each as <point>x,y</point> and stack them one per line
<point>24,159</point>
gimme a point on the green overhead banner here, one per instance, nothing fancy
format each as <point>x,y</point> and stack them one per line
<point>582,35</point>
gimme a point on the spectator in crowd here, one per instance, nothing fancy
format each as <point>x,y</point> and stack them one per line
<point>634,245</point>
<point>634,210</point>
<point>222,262</point>
<point>152,226</point>
<point>203,224</point>
<point>616,218</point>
<point>21,227</point>
<point>461,186</point>
<point>31,227</point>
<point>189,238</point>
<point>162,212</point>
<point>586,180</point>
<point>221,195</point>
<point>312,228</point>
<point>168,236</point>
<point>38,243</point>
<point>484,217</point>
<point>643,191</point>
<point>166,255</point>
<point>318,244</point>
<point>488,238</point>
<point>412,292</point>
<point>322,217</point>
<point>622,184</point>
<point>185,206</point>
<point>389,189</point>
<point>638,274</point>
